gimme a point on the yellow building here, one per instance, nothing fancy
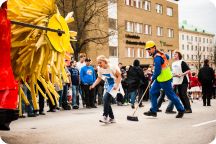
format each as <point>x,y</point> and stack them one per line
<point>134,22</point>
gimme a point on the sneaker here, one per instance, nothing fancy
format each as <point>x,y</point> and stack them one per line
<point>150,113</point>
<point>75,107</point>
<point>104,120</point>
<point>112,120</point>
<point>42,113</point>
<point>32,115</point>
<point>132,106</point>
<point>170,112</point>
<point>180,115</point>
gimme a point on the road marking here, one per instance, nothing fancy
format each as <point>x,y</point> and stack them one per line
<point>204,123</point>
<point>1,141</point>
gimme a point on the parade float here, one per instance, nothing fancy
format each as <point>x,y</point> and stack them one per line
<point>40,43</point>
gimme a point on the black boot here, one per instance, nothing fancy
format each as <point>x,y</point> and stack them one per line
<point>150,113</point>
<point>208,102</point>
<point>204,102</point>
<point>180,115</point>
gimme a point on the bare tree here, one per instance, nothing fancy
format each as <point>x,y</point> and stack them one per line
<point>90,17</point>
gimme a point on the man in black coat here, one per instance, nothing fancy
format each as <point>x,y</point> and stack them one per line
<point>206,77</point>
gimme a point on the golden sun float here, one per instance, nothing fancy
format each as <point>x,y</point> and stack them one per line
<point>39,54</point>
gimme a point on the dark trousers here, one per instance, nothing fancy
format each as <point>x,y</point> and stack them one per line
<point>41,98</point>
<point>107,106</point>
<point>82,94</point>
<point>207,93</point>
<point>89,95</point>
<point>182,90</point>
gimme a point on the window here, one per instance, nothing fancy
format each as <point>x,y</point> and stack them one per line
<point>203,49</point>
<point>182,47</point>
<point>169,11</point>
<point>182,37</point>
<point>170,33</point>
<point>147,29</point>
<point>113,24</point>
<point>138,27</point>
<point>196,48</point>
<point>207,40</point>
<point>187,47</point>
<point>195,39</point>
<point>183,56</point>
<point>129,26</point>
<point>159,8</point>
<point>210,41</point>
<point>159,31</point>
<point>138,3</point>
<point>147,5</point>
<point>188,56</point>
<point>140,52</point>
<point>191,38</point>
<point>187,37</point>
<point>127,2</point>
<point>192,57</point>
<point>130,52</point>
<point>113,51</point>
<point>203,40</point>
<point>191,48</point>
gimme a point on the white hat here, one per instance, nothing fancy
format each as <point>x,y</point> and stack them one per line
<point>2,1</point>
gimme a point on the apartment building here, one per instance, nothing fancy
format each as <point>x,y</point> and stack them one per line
<point>134,22</point>
<point>196,45</point>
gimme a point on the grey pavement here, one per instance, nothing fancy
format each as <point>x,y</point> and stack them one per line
<point>82,127</point>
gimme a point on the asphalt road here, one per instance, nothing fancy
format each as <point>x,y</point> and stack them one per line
<point>82,127</point>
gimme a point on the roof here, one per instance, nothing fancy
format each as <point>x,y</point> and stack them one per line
<point>185,26</point>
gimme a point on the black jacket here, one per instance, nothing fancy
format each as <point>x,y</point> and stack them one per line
<point>206,75</point>
<point>134,78</point>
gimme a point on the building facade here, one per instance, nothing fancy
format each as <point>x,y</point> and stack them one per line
<point>196,45</point>
<point>133,22</point>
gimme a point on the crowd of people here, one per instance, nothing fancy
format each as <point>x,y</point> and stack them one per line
<point>92,85</point>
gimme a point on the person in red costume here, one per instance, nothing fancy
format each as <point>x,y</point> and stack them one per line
<point>8,85</point>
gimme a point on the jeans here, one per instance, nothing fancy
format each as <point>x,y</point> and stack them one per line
<point>107,106</point>
<point>132,95</point>
<point>75,89</point>
<point>167,87</point>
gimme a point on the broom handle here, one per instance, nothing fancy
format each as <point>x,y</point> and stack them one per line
<point>141,98</point>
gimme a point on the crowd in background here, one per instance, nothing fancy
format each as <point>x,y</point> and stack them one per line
<point>135,79</point>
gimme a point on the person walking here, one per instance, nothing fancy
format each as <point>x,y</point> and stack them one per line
<point>206,78</point>
<point>112,76</point>
<point>180,71</point>
<point>161,78</point>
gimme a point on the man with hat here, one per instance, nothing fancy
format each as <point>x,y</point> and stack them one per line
<point>161,78</point>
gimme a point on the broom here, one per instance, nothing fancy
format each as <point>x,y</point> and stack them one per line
<point>135,118</point>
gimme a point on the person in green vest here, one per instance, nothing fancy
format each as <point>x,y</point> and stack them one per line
<point>161,79</point>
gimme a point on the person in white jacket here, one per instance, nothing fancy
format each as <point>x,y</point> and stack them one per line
<point>180,72</point>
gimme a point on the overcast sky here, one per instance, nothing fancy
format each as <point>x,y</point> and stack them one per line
<point>200,13</point>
